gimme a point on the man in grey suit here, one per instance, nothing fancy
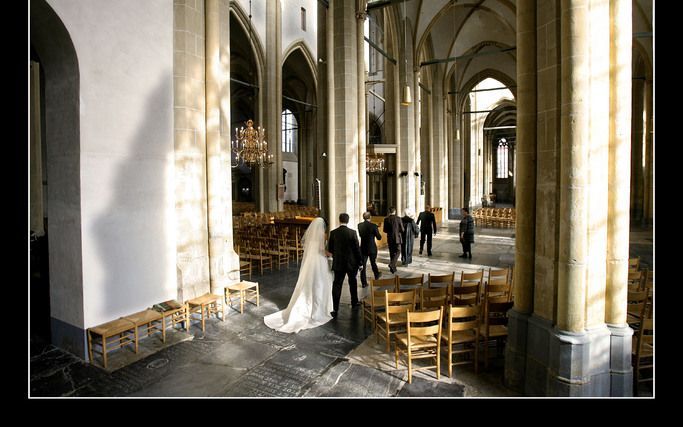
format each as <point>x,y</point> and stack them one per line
<point>368,248</point>
<point>346,260</point>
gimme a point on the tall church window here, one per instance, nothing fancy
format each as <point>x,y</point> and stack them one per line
<point>502,159</point>
<point>290,132</point>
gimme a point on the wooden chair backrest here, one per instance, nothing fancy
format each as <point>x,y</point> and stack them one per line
<point>434,297</point>
<point>463,318</point>
<point>421,323</point>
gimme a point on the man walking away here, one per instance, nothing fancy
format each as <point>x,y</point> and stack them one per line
<point>428,224</point>
<point>368,248</point>
<point>346,260</point>
<point>393,227</point>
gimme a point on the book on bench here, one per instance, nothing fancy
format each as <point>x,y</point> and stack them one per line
<point>167,306</point>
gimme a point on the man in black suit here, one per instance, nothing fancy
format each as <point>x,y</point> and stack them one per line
<point>393,226</point>
<point>368,248</point>
<point>346,259</point>
<point>428,224</point>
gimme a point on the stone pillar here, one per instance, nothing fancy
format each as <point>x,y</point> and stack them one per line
<point>361,16</point>
<point>190,149</point>
<point>223,261</point>
<point>438,194</point>
<point>332,216</point>
<point>648,184</point>
<point>525,156</point>
<point>637,141</point>
<point>346,110</point>
<point>408,138</point>
<point>272,93</point>
<point>621,372</point>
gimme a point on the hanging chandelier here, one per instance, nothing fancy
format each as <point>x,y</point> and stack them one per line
<point>375,163</point>
<point>250,146</point>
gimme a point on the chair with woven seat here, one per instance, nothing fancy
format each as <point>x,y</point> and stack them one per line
<point>468,293</point>
<point>393,319</point>
<point>495,320</point>
<point>422,339</point>
<point>462,331</point>
<point>373,303</point>
<point>642,353</point>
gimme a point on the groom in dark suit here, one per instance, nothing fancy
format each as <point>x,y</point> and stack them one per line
<point>368,248</point>
<point>346,259</point>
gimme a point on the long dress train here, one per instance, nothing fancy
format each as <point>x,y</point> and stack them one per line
<point>311,301</point>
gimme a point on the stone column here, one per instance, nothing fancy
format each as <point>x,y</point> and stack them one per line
<point>648,184</point>
<point>361,16</point>
<point>332,216</point>
<point>223,261</point>
<point>618,198</point>
<point>408,139</point>
<point>190,149</point>
<point>525,156</point>
<point>272,93</point>
<point>637,141</point>
<point>345,85</point>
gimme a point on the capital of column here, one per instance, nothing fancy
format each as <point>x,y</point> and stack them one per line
<point>361,16</point>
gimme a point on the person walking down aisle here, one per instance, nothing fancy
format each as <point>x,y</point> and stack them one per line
<point>410,232</point>
<point>311,302</point>
<point>428,224</point>
<point>368,248</point>
<point>466,233</point>
<point>393,227</point>
<point>346,260</point>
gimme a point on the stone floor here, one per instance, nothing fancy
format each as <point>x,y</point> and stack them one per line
<point>241,357</point>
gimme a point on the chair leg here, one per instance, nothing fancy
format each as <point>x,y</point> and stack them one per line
<point>438,363</point>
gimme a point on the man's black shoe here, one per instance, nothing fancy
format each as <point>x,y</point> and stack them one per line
<point>378,275</point>
<point>364,285</point>
<point>463,256</point>
<point>356,305</point>
<point>333,314</point>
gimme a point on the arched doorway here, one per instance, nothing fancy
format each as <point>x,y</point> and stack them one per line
<point>56,285</point>
<point>299,111</point>
<point>244,105</point>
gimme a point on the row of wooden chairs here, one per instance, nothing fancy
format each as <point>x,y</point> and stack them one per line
<point>441,290</point>
<point>421,333</point>
<point>495,217</point>
<point>639,312</point>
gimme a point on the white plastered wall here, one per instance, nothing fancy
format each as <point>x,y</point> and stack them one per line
<point>125,57</point>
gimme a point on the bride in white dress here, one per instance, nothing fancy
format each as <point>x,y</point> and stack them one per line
<point>311,301</point>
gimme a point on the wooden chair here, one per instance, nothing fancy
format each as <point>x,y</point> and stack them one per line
<point>245,267</point>
<point>244,290</point>
<point>421,340</point>
<point>642,353</point>
<point>374,302</point>
<point>205,305</point>
<point>495,320</point>
<point>634,264</point>
<point>468,293</point>
<point>462,331</point>
<point>636,302</point>
<point>414,283</point>
<point>127,334</point>
<point>635,280</point>
<point>436,281</point>
<point>393,319</point>
<point>500,276</point>
<point>433,298</point>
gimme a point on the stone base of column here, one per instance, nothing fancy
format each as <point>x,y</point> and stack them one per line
<point>515,350</point>
<point>621,371</point>
<point>561,363</point>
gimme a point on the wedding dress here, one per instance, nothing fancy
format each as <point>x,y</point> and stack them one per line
<point>311,301</point>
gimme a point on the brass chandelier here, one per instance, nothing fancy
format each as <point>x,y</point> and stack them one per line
<point>250,146</point>
<point>375,163</point>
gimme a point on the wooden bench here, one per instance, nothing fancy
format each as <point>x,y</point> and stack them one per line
<point>151,320</point>
<point>207,303</point>
<point>125,329</point>
<point>244,290</point>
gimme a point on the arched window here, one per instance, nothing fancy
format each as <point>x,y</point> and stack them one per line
<point>290,132</point>
<point>502,159</point>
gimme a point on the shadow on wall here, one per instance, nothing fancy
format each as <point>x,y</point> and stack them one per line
<point>132,232</point>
